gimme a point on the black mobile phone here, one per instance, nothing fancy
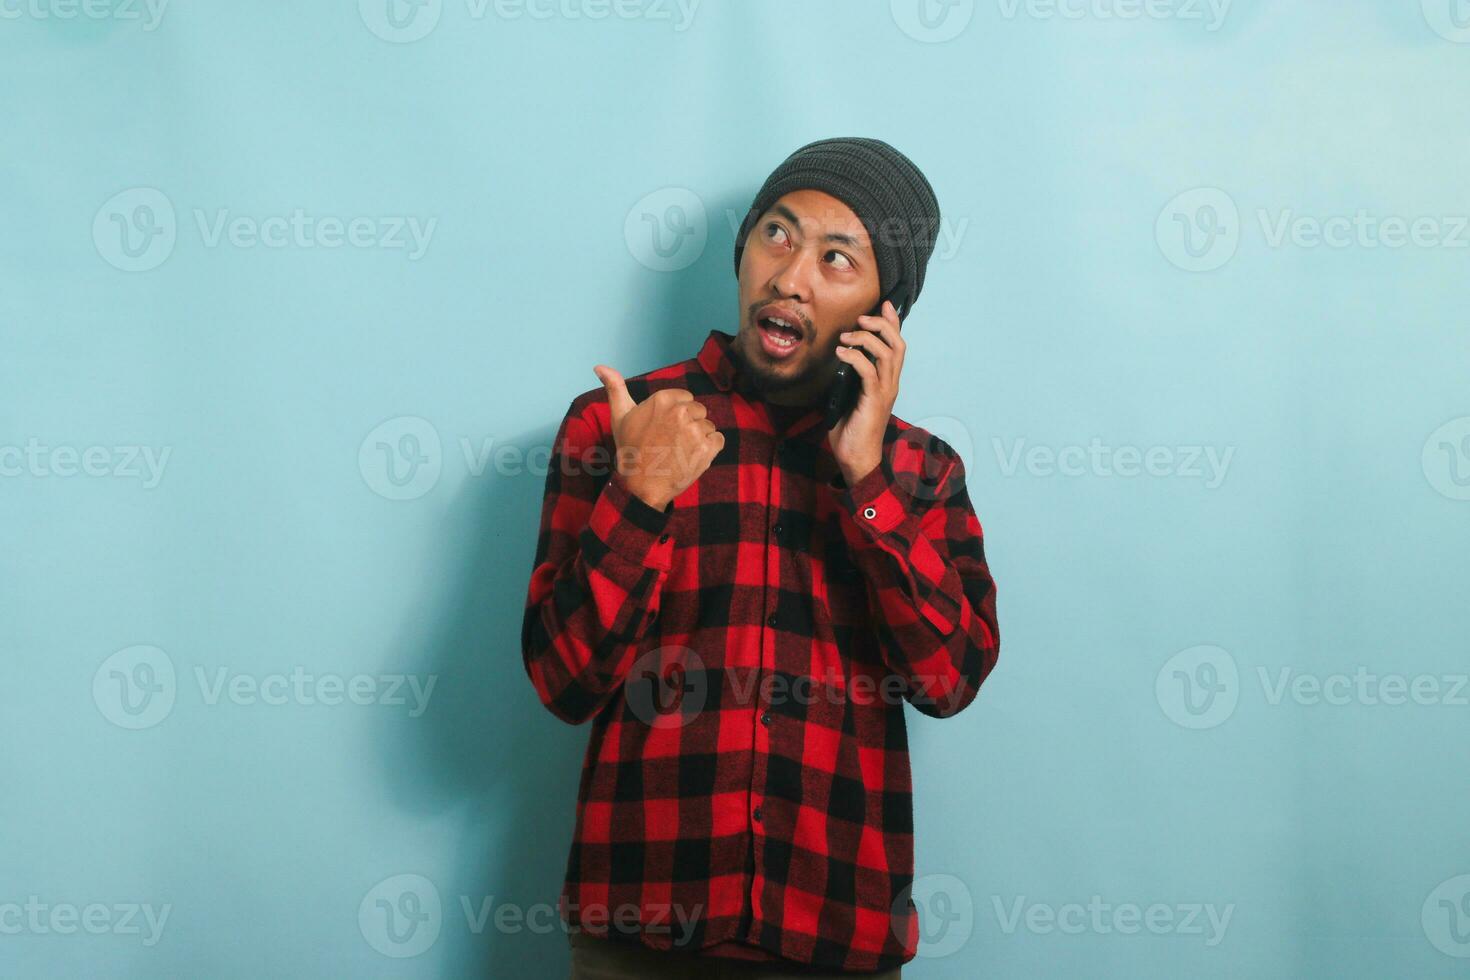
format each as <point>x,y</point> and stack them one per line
<point>842,397</point>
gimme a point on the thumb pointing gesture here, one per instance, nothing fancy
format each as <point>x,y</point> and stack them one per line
<point>669,424</point>
<point>618,400</point>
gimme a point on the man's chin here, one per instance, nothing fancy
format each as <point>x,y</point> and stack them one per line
<point>766,376</point>
<point>770,372</point>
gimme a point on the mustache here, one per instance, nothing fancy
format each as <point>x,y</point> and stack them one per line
<point>806,324</point>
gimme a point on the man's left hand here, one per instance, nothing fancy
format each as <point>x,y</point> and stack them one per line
<point>857,440</point>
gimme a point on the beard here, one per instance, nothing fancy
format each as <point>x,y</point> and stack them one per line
<point>758,381</point>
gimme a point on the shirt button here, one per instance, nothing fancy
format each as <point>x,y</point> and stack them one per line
<point>757,813</point>
<point>766,718</point>
<point>869,513</point>
<point>776,529</point>
<point>771,620</point>
<point>662,538</point>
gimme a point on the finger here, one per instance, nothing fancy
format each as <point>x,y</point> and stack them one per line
<point>890,313</point>
<point>867,340</point>
<point>698,456</point>
<point>887,315</point>
<point>619,402</point>
<point>864,367</point>
<point>696,410</point>
<point>886,327</point>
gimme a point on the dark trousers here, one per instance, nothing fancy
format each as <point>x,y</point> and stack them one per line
<point>602,959</point>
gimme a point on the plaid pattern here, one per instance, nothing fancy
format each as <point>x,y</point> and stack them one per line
<point>744,656</point>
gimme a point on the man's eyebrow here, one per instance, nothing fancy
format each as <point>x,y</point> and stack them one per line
<point>831,236</point>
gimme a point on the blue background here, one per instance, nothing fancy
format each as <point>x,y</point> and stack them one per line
<point>1112,187</point>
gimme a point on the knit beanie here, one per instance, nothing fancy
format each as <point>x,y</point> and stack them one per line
<point>883,188</point>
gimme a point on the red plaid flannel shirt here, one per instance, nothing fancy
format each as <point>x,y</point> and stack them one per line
<point>744,656</point>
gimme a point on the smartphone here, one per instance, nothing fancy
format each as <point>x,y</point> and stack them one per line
<point>842,397</point>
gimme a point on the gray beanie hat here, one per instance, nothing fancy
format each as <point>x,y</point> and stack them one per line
<point>885,190</point>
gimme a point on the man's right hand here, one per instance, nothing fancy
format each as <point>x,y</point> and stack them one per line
<point>663,444</point>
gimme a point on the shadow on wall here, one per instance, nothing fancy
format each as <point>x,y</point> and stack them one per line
<point>487,747</point>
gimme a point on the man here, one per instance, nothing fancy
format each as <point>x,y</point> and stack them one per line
<point>741,600</point>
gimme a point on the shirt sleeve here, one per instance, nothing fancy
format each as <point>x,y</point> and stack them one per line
<point>915,536</point>
<point>602,556</point>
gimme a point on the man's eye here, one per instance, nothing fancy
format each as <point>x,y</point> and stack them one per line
<point>772,228</point>
<point>847,263</point>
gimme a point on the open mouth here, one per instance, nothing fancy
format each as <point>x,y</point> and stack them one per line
<point>780,332</point>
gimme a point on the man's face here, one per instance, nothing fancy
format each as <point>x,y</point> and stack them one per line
<point>809,261</point>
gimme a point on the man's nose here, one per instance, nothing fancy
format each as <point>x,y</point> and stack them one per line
<point>794,278</point>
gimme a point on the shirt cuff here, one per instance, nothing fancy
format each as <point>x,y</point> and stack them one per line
<point>631,527</point>
<point>882,511</point>
<point>876,502</point>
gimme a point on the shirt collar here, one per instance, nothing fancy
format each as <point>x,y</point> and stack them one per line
<point>715,358</point>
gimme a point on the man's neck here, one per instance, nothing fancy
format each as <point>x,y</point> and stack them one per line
<point>791,399</point>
